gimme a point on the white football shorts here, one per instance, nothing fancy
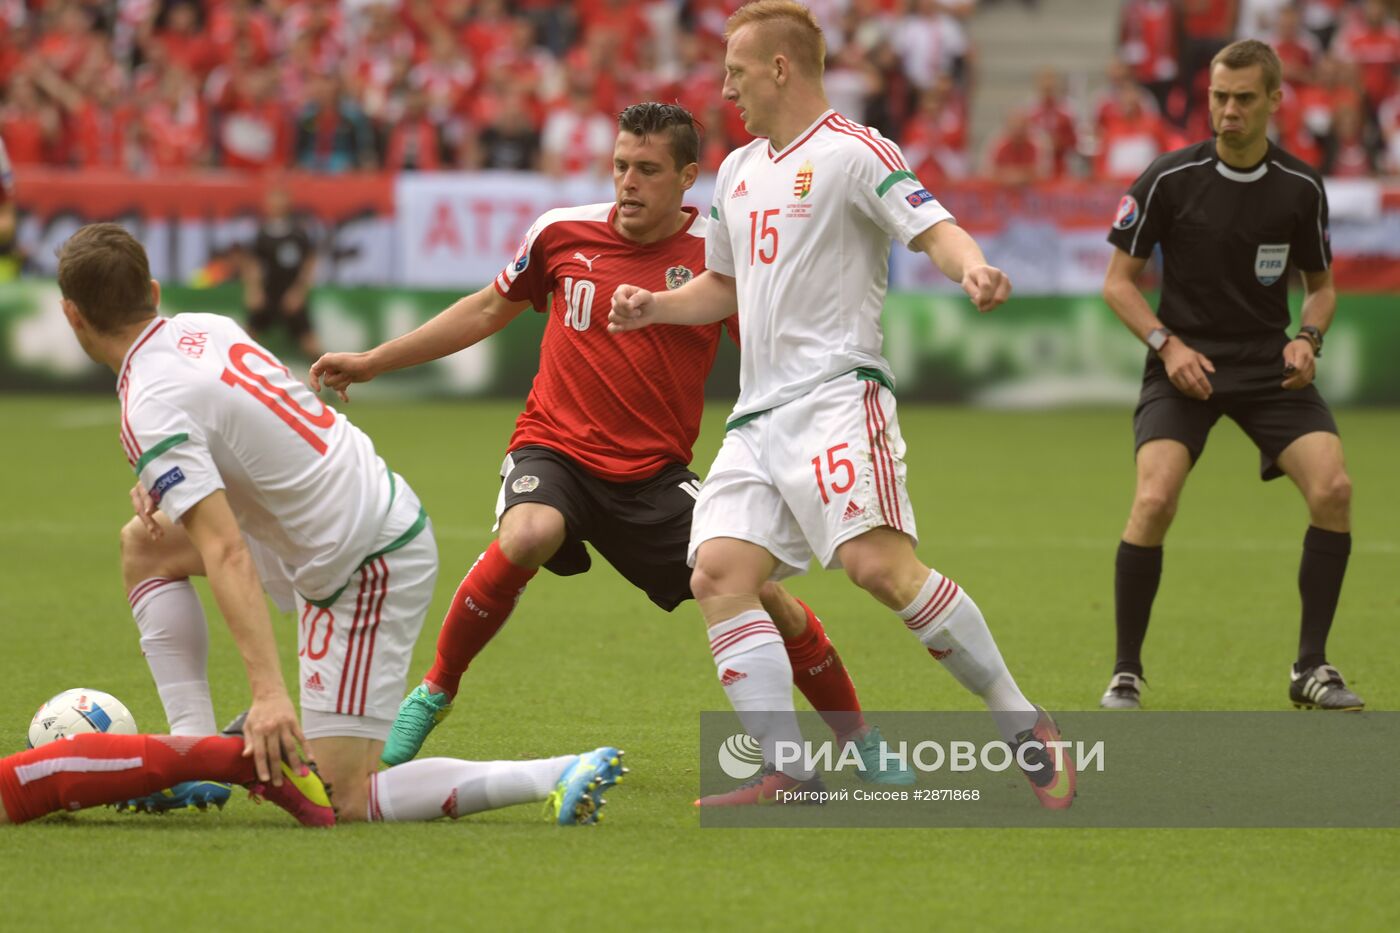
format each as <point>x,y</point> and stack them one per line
<point>355,649</point>
<point>807,476</point>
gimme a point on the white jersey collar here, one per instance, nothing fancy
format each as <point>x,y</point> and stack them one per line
<point>800,138</point>
<point>1235,174</point>
<point>156,324</point>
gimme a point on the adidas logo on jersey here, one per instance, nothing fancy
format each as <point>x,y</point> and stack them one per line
<point>730,677</point>
<point>853,511</point>
<point>314,682</point>
<point>741,191</point>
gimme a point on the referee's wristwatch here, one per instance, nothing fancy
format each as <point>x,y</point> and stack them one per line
<point>1313,336</point>
<point>1157,338</point>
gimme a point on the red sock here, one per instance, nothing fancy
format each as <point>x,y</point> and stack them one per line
<point>819,674</point>
<point>90,770</point>
<point>483,603</point>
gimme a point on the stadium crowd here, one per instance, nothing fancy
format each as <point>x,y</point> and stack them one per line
<point>320,85</point>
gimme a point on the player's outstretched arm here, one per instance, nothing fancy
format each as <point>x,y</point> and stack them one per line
<point>957,255</point>
<point>1185,367</point>
<point>271,732</point>
<point>707,298</point>
<point>465,322</point>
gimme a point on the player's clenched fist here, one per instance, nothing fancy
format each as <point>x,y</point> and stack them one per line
<point>987,286</point>
<point>338,370</point>
<point>631,309</point>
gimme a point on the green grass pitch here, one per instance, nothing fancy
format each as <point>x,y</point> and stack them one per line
<point>1024,509</point>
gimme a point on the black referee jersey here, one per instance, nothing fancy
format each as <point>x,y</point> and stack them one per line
<point>1228,236</point>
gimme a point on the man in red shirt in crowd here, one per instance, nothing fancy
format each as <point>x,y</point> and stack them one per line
<point>1373,43</point>
<point>1149,41</point>
<point>1020,154</point>
<point>600,453</point>
<point>1050,114</point>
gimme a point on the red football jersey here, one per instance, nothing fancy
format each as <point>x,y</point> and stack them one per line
<point>622,405</point>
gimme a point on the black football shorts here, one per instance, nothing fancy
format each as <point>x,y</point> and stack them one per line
<point>1245,387</point>
<point>642,528</point>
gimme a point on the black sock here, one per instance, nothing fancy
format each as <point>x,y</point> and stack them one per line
<point>1137,572</point>
<point>1320,584</point>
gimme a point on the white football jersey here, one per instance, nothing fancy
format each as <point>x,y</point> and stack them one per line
<point>806,235</point>
<point>205,408</point>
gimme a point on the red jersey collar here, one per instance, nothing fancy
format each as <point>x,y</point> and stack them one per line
<point>691,214</point>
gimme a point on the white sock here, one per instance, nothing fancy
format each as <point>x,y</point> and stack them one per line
<point>432,787</point>
<point>175,641</point>
<point>951,627</point>
<point>756,674</point>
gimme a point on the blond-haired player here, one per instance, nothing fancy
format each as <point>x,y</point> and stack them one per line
<point>812,462</point>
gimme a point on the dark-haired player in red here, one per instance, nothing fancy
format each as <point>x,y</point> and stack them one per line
<point>601,452</point>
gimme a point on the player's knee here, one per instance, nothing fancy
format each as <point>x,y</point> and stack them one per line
<point>876,577</point>
<point>1333,496</point>
<point>531,540</point>
<point>1154,507</point>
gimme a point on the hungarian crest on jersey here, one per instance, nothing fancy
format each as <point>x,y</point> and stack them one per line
<point>802,185</point>
<point>676,276</point>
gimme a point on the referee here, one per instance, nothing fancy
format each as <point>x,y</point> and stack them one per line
<point>1231,215</point>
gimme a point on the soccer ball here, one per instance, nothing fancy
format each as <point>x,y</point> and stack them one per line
<point>74,712</point>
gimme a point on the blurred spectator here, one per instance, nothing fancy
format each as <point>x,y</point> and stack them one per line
<point>1321,18</point>
<point>179,29</point>
<point>1020,154</point>
<point>254,128</point>
<point>935,136</point>
<point>1388,122</point>
<point>1108,104</point>
<point>1207,27</point>
<point>332,133</point>
<point>1050,114</point>
<point>1349,152</point>
<point>172,124</point>
<point>1372,41</point>
<point>29,124</point>
<point>415,143</point>
<point>1131,138</point>
<point>578,138</point>
<point>1259,18</point>
<point>509,142</point>
<point>1149,43</point>
<point>1330,92</point>
<point>930,41</point>
<point>1291,132</point>
<point>1298,50</point>
<point>444,77</point>
<point>67,38</point>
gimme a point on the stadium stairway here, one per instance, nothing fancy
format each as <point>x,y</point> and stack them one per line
<point>1014,42</point>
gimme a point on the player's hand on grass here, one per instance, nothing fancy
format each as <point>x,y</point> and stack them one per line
<point>987,286</point>
<point>338,370</point>
<point>1299,364</point>
<point>272,733</point>
<point>1187,369</point>
<point>145,508</point>
<point>632,308</point>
